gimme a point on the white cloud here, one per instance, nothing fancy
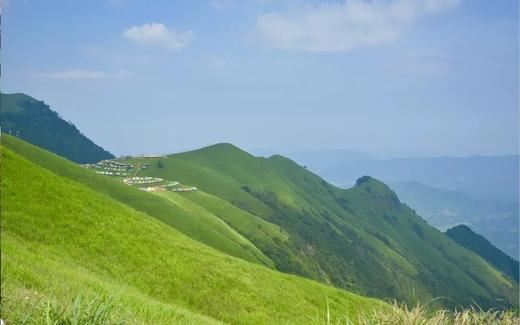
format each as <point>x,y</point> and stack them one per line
<point>83,75</point>
<point>344,26</point>
<point>157,34</point>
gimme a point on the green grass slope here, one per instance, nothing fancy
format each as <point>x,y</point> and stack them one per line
<point>35,122</point>
<point>478,244</point>
<point>204,227</point>
<point>213,223</point>
<point>61,238</point>
<point>363,239</point>
<point>267,236</point>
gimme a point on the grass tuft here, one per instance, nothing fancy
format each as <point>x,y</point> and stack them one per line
<point>81,311</point>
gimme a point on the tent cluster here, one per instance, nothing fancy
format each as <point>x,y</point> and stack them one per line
<point>111,168</point>
<point>142,180</point>
<point>145,183</point>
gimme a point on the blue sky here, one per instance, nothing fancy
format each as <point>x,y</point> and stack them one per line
<point>390,77</point>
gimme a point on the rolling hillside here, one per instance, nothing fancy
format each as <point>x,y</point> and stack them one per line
<point>200,225</point>
<point>275,213</point>
<point>482,247</point>
<point>362,239</point>
<point>33,121</point>
<point>62,238</point>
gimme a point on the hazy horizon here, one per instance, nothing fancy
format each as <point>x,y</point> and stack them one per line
<point>393,78</point>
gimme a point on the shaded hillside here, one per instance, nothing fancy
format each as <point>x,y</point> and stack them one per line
<point>482,247</point>
<point>33,121</point>
<point>363,239</point>
<point>444,209</point>
<point>61,238</point>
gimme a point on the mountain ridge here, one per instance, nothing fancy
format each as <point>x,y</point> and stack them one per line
<point>478,244</point>
<point>33,121</point>
<point>325,221</point>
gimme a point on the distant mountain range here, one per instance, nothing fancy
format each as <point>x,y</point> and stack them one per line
<point>493,178</point>
<point>497,221</point>
<point>33,121</point>
<point>482,247</point>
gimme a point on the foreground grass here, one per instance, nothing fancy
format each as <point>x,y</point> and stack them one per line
<point>99,311</point>
<point>94,311</point>
<point>400,314</point>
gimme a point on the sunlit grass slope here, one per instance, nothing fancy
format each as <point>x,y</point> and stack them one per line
<point>61,238</point>
<point>268,237</point>
<point>204,227</point>
<point>213,223</point>
<point>363,239</point>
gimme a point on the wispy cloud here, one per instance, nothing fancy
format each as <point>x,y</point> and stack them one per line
<point>347,25</point>
<point>156,34</point>
<point>83,75</point>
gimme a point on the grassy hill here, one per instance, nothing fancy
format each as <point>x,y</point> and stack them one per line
<point>275,213</point>
<point>183,215</point>
<point>362,239</point>
<point>33,121</point>
<point>482,247</point>
<point>61,237</point>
